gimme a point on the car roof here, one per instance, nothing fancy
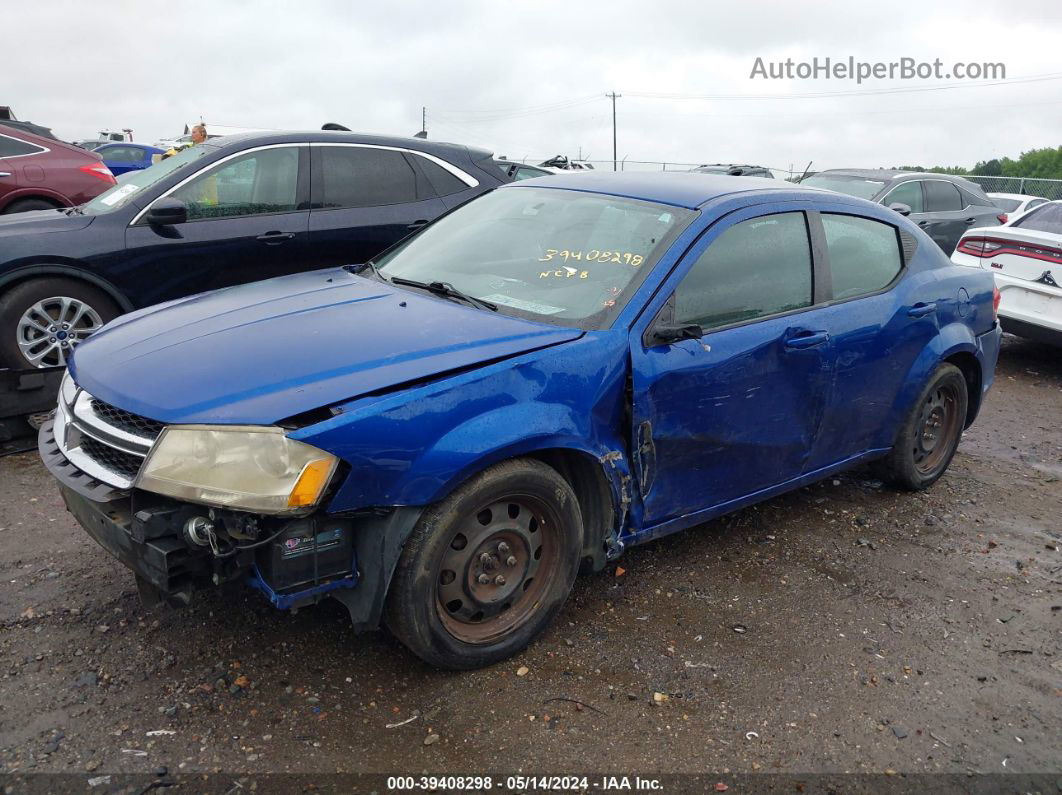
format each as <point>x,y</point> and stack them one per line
<point>241,140</point>
<point>678,188</point>
<point>887,174</point>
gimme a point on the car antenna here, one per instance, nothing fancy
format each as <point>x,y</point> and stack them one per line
<point>331,125</point>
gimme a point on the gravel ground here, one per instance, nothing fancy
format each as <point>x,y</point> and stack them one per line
<point>842,628</point>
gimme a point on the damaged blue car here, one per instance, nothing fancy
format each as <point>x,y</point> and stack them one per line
<point>443,437</point>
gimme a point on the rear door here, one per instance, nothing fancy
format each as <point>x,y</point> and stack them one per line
<point>879,324</point>
<point>737,410</point>
<point>363,200</point>
<point>946,216</point>
<point>247,220</point>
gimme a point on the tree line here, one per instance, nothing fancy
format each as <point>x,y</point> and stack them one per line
<point>1036,163</point>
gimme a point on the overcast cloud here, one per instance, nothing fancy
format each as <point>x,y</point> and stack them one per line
<point>485,71</point>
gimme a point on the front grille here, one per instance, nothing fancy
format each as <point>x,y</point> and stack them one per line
<point>126,420</point>
<point>125,464</point>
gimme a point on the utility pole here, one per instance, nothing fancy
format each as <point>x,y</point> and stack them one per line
<point>614,96</point>
<point>424,120</point>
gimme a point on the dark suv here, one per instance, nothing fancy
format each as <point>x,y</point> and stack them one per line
<point>943,205</point>
<point>230,210</point>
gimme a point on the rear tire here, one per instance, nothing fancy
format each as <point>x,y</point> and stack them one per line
<point>25,205</point>
<point>43,320</point>
<point>930,434</point>
<point>487,569</point>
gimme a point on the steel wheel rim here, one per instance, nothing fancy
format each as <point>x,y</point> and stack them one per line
<point>516,538</point>
<point>938,428</point>
<point>49,330</point>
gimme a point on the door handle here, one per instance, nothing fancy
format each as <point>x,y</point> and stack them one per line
<point>923,223</point>
<point>5,173</point>
<point>805,338</point>
<point>273,238</point>
<point>921,309</point>
<point>417,224</point>
<point>970,221</point>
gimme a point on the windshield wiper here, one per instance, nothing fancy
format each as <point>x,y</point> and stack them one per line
<point>446,289</point>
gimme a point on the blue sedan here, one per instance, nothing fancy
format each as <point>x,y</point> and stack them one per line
<point>560,369</point>
<point>123,157</point>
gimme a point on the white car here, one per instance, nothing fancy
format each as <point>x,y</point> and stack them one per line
<point>1015,204</point>
<point>1026,258</point>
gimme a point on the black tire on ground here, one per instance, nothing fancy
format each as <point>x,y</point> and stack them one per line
<point>486,569</point>
<point>15,301</point>
<point>25,205</point>
<point>930,433</point>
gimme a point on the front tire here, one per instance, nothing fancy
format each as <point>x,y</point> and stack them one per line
<point>488,568</point>
<point>930,434</point>
<point>43,320</point>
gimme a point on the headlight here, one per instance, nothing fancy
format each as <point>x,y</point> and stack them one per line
<point>248,468</point>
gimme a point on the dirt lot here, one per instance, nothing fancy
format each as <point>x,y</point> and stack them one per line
<point>841,628</point>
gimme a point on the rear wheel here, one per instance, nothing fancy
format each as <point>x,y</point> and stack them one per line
<point>43,320</point>
<point>25,205</point>
<point>487,568</point>
<point>931,432</point>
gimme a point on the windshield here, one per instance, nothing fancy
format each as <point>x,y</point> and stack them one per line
<point>122,193</point>
<point>853,186</point>
<point>556,256</point>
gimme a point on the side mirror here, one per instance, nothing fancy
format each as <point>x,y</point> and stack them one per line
<point>665,335</point>
<point>167,212</point>
<point>902,209</point>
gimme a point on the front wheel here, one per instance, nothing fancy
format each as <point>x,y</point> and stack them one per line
<point>43,320</point>
<point>486,569</point>
<point>931,432</point>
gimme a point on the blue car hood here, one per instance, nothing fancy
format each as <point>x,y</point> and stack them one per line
<point>36,222</point>
<point>262,352</point>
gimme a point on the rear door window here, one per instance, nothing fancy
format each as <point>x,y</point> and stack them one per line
<point>942,197</point>
<point>865,255</point>
<point>355,176</point>
<point>909,193</point>
<point>756,268</point>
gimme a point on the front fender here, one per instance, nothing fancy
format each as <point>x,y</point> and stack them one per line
<point>953,338</point>
<point>415,446</point>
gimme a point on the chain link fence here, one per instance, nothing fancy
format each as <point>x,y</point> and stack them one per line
<point>1026,186</point>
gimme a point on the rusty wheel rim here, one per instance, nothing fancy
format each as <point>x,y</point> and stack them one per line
<point>496,567</point>
<point>938,427</point>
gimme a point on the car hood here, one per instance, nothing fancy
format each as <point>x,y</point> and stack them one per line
<point>37,222</point>
<point>262,352</point>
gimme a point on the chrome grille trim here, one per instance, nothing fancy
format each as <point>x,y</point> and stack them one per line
<point>79,420</point>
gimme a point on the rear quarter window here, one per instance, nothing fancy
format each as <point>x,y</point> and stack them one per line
<point>865,255</point>
<point>13,147</point>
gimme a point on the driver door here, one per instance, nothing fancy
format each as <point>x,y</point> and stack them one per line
<point>737,409</point>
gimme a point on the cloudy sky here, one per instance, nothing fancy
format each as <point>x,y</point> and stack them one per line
<point>528,79</point>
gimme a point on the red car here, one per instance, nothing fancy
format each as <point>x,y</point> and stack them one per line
<point>38,173</point>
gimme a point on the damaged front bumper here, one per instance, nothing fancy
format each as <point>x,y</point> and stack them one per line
<point>176,548</point>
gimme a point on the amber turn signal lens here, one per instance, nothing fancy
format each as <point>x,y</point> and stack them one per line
<point>311,483</point>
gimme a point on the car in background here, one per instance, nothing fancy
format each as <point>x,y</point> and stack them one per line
<point>123,157</point>
<point>1025,256</point>
<point>561,369</point>
<point>223,212</point>
<point>38,173</point>
<point>517,171</point>
<point>561,164</point>
<point>944,206</point>
<point>734,170</point>
<point>1015,204</point>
